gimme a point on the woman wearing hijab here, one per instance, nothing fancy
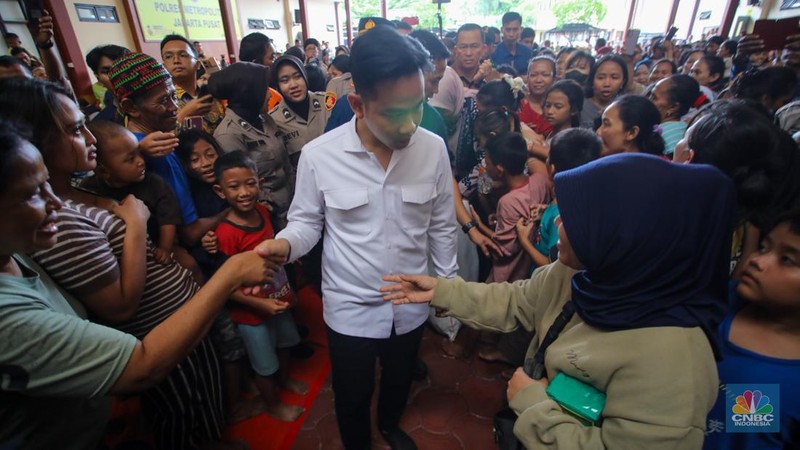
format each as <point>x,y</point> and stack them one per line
<point>647,290</point>
<point>301,115</point>
<point>249,128</point>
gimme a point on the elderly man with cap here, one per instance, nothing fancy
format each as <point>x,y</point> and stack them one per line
<point>146,97</point>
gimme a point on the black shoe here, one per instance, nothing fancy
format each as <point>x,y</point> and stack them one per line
<point>420,371</point>
<point>303,350</point>
<point>398,439</point>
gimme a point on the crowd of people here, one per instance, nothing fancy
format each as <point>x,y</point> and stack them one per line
<point>629,230</point>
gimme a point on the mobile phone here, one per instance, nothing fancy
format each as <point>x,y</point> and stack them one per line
<point>193,123</point>
<point>774,32</point>
<point>630,41</point>
<point>211,65</point>
<point>671,33</point>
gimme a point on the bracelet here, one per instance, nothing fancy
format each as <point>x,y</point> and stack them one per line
<point>46,46</point>
<point>468,226</point>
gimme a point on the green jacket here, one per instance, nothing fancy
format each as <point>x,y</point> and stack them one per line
<point>660,382</point>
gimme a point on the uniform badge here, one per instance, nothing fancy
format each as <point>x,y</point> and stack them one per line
<point>369,25</point>
<point>315,103</point>
<point>286,114</point>
<point>330,100</point>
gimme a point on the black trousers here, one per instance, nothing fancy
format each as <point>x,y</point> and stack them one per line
<point>353,375</point>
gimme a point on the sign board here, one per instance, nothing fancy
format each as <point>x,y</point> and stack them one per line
<point>197,20</point>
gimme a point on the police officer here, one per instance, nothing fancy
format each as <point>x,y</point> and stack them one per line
<point>301,115</point>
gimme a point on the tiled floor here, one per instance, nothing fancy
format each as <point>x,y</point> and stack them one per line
<point>451,410</point>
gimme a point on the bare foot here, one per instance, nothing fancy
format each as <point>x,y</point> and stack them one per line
<point>246,409</point>
<point>286,413</point>
<point>295,386</point>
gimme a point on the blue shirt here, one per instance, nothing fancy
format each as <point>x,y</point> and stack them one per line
<point>519,61</point>
<point>171,170</point>
<point>741,366</point>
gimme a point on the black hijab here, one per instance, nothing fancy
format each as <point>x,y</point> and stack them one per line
<point>300,108</point>
<point>244,85</point>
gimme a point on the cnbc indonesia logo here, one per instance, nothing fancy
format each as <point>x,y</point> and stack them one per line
<point>754,410</point>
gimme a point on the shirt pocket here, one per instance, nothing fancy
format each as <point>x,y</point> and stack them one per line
<point>417,206</point>
<point>348,210</point>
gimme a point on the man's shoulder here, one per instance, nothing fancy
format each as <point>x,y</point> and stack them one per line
<point>332,142</point>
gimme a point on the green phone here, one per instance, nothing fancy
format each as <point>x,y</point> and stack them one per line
<point>580,399</point>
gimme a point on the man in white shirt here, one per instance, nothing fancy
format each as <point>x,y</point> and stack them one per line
<point>381,187</point>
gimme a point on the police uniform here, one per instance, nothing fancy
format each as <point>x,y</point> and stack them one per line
<point>341,86</point>
<point>295,130</point>
<point>267,150</point>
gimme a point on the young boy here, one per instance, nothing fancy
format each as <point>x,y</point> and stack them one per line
<point>569,149</point>
<point>266,331</point>
<point>121,171</point>
<point>761,350</point>
<point>506,156</point>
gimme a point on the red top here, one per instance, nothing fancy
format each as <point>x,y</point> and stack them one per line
<point>233,239</point>
<point>533,119</point>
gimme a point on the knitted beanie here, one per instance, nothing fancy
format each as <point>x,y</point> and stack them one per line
<point>136,72</point>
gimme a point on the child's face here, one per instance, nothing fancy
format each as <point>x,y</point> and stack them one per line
<point>772,274</point>
<point>239,187</point>
<point>201,161</point>
<point>122,163</point>
<point>556,109</point>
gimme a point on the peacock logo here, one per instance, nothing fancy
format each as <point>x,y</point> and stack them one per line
<point>752,402</point>
<point>753,408</point>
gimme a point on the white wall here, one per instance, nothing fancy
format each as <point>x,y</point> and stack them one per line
<point>772,8</point>
<point>92,34</point>
<point>319,13</point>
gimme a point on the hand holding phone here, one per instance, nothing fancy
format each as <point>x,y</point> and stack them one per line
<point>629,48</point>
<point>671,33</point>
<point>211,65</point>
<point>193,123</point>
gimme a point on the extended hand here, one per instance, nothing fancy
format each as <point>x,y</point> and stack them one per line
<point>252,269</point>
<point>132,211</point>
<point>158,143</point>
<point>45,34</point>
<point>196,107</point>
<point>524,227</point>
<point>209,242</point>
<point>519,381</point>
<point>162,256</point>
<point>409,288</point>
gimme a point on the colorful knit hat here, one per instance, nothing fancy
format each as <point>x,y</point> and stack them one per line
<point>135,72</point>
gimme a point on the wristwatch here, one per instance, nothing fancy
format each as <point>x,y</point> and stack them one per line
<point>48,44</point>
<point>468,226</point>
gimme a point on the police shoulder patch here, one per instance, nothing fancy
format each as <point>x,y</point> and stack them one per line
<point>330,100</point>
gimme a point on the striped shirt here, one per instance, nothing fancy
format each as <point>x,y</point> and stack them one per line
<point>85,259</point>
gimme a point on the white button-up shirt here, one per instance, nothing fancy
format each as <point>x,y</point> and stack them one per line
<point>376,222</point>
